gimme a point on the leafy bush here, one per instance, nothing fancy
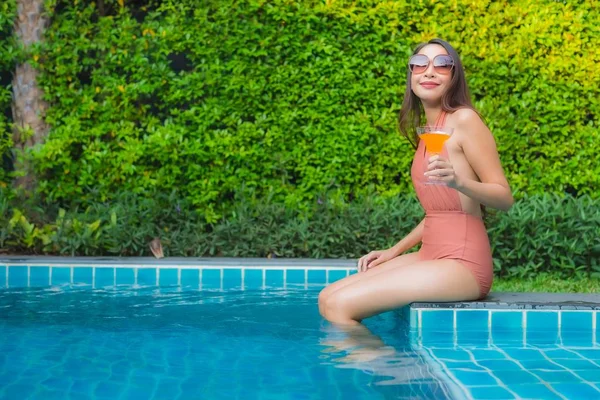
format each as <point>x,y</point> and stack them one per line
<point>8,54</point>
<point>540,234</point>
<point>293,98</point>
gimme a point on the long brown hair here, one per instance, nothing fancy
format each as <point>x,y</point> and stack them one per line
<point>457,96</point>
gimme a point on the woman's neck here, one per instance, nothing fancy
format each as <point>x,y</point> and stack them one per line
<point>432,113</point>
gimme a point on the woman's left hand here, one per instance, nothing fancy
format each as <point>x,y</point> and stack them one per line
<point>440,170</point>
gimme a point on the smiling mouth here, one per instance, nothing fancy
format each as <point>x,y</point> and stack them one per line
<point>429,85</point>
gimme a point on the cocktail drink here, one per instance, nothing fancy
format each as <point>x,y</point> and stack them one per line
<point>434,138</point>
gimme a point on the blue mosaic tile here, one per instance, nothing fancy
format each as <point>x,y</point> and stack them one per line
<point>493,392</point>
<point>534,391</point>
<point>473,320</point>
<point>555,376</point>
<point>525,354</point>
<point>472,338</point>
<point>125,276</point>
<point>474,378</point>
<point>146,277</point>
<point>274,278</point>
<point>40,276</point>
<point>542,339</point>
<point>2,276</point>
<point>61,275</point>
<point>232,278</point>
<point>211,279</point>
<point>81,275</point>
<point>499,365</point>
<point>485,354</point>
<point>577,390</point>
<point>507,338</point>
<point>452,355</point>
<point>336,275</point>
<point>592,354</point>
<point>167,277</point>
<point>464,365</point>
<point>190,278</point>
<point>561,354</point>
<point>540,364</point>
<point>17,276</point>
<point>318,276</point>
<point>590,375</point>
<point>542,321</point>
<point>295,276</point>
<point>584,338</point>
<point>507,320</point>
<point>437,339</point>
<point>514,376</point>
<point>597,329</point>
<point>581,364</point>
<point>439,320</point>
<point>576,321</point>
<point>253,278</point>
<point>105,277</point>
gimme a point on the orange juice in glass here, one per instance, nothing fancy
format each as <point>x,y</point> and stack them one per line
<point>434,138</point>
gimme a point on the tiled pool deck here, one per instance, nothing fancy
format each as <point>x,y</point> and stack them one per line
<point>508,346</point>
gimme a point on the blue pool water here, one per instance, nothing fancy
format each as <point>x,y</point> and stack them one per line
<point>124,342</point>
<point>68,343</point>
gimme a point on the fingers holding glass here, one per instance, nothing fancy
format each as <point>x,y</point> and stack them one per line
<point>434,138</point>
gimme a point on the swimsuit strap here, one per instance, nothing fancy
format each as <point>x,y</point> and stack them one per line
<point>441,119</point>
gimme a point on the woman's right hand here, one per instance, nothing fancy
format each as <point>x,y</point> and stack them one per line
<point>373,259</point>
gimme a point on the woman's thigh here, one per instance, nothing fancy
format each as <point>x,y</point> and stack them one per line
<point>434,280</point>
<point>396,262</point>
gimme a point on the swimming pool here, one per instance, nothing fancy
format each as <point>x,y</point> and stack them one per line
<point>138,331</point>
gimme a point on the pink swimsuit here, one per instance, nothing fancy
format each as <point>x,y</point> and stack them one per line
<point>450,232</point>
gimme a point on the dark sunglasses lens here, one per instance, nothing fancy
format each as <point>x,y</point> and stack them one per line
<point>418,64</point>
<point>443,64</point>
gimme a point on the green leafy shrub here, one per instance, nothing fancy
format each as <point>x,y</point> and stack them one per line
<point>539,234</point>
<point>8,55</point>
<point>293,98</point>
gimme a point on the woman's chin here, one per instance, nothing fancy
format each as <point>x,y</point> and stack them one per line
<point>430,98</point>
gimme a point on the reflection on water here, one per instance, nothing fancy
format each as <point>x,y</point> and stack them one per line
<point>390,364</point>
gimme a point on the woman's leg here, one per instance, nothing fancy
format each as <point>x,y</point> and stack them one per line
<point>396,262</point>
<point>435,280</point>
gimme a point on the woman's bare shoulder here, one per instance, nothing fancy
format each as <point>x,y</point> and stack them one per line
<point>466,117</point>
<point>468,121</point>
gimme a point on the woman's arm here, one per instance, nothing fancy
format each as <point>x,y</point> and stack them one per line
<point>479,148</point>
<point>409,241</point>
<point>377,257</point>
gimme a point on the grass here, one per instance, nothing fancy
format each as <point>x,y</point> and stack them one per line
<point>547,283</point>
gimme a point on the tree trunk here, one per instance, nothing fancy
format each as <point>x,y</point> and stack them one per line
<point>28,106</point>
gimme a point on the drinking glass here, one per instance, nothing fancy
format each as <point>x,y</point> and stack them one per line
<point>434,138</point>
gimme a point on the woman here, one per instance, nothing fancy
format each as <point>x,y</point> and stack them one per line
<point>454,262</point>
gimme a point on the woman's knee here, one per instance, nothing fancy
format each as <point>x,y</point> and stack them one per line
<point>323,294</point>
<point>337,307</point>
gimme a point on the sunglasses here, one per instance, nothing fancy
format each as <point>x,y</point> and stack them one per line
<point>442,64</point>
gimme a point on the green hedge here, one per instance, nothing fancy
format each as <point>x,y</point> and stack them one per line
<point>547,233</point>
<point>8,56</point>
<point>293,98</point>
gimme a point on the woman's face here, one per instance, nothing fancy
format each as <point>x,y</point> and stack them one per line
<point>430,83</point>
